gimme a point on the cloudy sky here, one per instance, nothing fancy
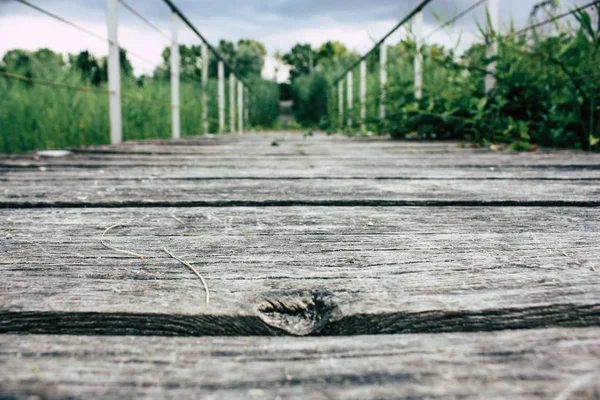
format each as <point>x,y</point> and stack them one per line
<point>279,24</point>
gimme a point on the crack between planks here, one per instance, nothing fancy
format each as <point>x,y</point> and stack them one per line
<point>173,325</point>
<point>36,166</point>
<point>303,178</point>
<point>301,203</point>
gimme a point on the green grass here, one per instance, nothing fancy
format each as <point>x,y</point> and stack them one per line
<point>36,116</point>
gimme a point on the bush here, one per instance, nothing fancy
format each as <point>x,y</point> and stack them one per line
<point>547,91</point>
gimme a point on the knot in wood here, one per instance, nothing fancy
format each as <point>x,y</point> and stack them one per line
<point>298,313</point>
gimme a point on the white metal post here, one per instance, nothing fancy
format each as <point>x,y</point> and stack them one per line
<point>492,47</point>
<point>240,107</point>
<point>175,77</point>
<point>231,102</point>
<point>221,97</point>
<point>205,63</point>
<point>419,56</point>
<point>382,79</point>
<point>246,108</point>
<point>363,95</point>
<point>350,90</point>
<point>114,74</point>
<point>341,102</point>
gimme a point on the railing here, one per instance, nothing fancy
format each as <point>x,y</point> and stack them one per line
<point>239,90</point>
<point>345,95</point>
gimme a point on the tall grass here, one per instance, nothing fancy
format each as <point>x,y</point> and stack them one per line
<point>35,116</point>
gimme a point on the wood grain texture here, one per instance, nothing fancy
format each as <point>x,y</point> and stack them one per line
<point>534,364</point>
<point>254,170</point>
<point>486,263</point>
<point>301,271</point>
<point>228,171</point>
<point>147,192</point>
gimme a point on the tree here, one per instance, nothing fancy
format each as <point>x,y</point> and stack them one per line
<point>249,59</point>
<point>88,66</point>
<point>42,62</point>
<point>227,51</point>
<point>190,63</point>
<point>258,45</point>
<point>331,53</point>
<point>299,60</point>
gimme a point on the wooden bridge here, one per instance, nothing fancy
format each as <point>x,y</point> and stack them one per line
<point>416,269</point>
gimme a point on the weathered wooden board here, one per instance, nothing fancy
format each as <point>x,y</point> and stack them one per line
<point>266,171</point>
<point>293,151</point>
<point>454,159</point>
<point>300,270</point>
<point>534,364</point>
<point>144,192</point>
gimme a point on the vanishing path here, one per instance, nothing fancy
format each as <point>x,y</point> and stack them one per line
<point>482,269</point>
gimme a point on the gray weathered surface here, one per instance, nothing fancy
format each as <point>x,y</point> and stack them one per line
<point>323,236</point>
<point>317,170</point>
<point>534,364</point>
<point>399,269</point>
<point>144,192</point>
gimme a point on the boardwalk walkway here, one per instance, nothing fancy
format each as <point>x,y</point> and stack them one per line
<point>481,268</point>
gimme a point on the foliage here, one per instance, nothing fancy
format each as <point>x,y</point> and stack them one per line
<point>35,116</point>
<point>264,100</point>
<point>247,58</point>
<point>547,91</point>
<point>309,96</point>
<point>310,93</point>
<point>300,59</point>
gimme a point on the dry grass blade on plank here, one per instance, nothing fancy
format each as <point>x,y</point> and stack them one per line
<point>191,267</point>
<point>116,249</point>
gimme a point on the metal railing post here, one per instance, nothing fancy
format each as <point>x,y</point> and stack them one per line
<point>492,46</point>
<point>221,74</point>
<point>363,95</point>
<point>240,87</point>
<point>114,74</point>
<point>231,102</point>
<point>419,56</point>
<point>205,64</point>
<point>341,102</point>
<point>382,80</point>
<point>246,108</point>
<point>175,118</point>
<point>349,95</point>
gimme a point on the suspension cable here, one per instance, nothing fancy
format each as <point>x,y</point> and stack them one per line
<point>455,18</point>
<point>406,19</point>
<point>82,29</point>
<point>23,78</point>
<point>556,18</point>
<point>144,19</point>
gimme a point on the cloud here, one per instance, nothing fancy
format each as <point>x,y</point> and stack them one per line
<point>277,23</point>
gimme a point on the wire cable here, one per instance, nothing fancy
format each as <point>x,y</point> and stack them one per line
<point>54,84</point>
<point>455,18</point>
<point>210,47</point>
<point>556,18</point>
<point>87,89</point>
<point>414,12</point>
<point>56,17</point>
<point>145,20</point>
<point>82,29</point>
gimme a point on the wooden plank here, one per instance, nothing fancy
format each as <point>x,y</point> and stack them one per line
<point>300,153</point>
<point>533,364</point>
<point>300,270</point>
<point>147,192</point>
<point>257,147</point>
<point>240,169</point>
